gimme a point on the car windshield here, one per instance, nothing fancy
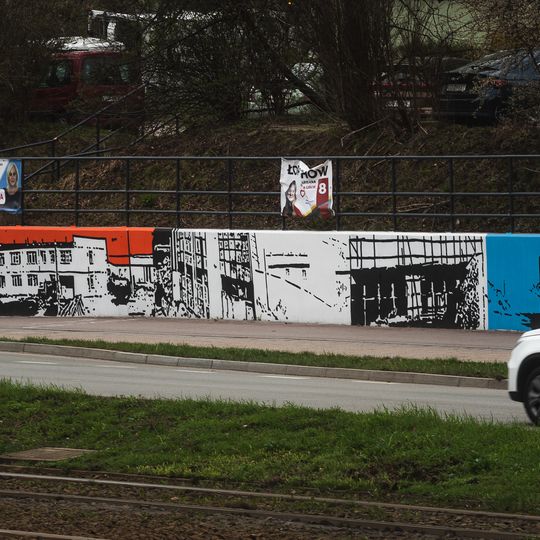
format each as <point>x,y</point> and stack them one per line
<point>57,73</point>
<point>107,70</point>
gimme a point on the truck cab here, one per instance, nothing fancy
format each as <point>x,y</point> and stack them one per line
<point>86,75</point>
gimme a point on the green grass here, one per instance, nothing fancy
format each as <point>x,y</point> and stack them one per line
<point>442,366</point>
<point>407,455</point>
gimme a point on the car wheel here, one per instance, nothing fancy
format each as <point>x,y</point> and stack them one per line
<point>532,396</point>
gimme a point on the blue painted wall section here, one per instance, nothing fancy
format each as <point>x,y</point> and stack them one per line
<point>513,273</point>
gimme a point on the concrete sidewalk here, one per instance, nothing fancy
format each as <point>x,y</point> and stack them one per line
<point>348,340</point>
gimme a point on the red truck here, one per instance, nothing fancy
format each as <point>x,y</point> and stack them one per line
<point>87,75</point>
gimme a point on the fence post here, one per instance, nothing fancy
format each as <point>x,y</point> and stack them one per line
<point>57,173</point>
<point>128,190</point>
<point>98,133</point>
<point>511,194</point>
<point>178,193</point>
<point>452,190</point>
<point>394,196</point>
<point>77,189</point>
<point>230,181</point>
<point>338,194</point>
<point>22,191</point>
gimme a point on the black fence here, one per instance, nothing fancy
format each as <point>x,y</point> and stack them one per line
<point>497,193</point>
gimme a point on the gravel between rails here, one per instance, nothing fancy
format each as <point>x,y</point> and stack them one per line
<point>105,519</point>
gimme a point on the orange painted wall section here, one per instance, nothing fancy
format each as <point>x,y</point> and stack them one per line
<point>122,242</point>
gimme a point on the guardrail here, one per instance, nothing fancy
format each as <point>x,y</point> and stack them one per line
<point>498,193</point>
<point>95,119</point>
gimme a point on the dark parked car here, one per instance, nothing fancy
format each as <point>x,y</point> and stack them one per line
<point>486,88</point>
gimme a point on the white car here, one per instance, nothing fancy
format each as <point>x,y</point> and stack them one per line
<point>524,374</point>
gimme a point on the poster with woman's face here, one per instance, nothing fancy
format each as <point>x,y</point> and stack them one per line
<point>10,185</point>
<point>306,190</point>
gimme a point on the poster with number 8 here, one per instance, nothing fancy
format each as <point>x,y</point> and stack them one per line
<point>306,190</point>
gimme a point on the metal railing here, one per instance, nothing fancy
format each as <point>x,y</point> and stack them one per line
<point>92,119</point>
<point>122,121</point>
<point>425,193</point>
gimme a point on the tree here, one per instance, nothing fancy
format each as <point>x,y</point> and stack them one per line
<point>27,41</point>
<point>508,24</point>
<point>356,43</point>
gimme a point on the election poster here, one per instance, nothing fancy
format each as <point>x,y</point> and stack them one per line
<point>10,186</point>
<point>306,190</point>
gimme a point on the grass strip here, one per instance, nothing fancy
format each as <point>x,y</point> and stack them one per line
<point>441,366</point>
<point>408,455</point>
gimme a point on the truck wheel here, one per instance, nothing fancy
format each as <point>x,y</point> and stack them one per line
<point>532,396</point>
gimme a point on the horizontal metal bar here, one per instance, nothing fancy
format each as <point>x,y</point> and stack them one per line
<point>149,211</point>
<point>264,213</point>
<point>437,193</point>
<point>464,157</point>
<point>437,215</point>
<point>98,191</point>
<point>122,210</point>
<point>419,194</point>
<point>155,191</point>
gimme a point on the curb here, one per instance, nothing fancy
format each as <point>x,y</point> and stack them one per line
<point>254,367</point>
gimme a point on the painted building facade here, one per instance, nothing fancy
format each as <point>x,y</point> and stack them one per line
<point>379,279</point>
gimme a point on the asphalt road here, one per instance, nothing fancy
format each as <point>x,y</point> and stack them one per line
<point>350,340</point>
<point>110,379</point>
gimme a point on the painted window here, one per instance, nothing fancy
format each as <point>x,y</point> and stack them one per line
<point>16,280</point>
<point>15,258</point>
<point>65,256</point>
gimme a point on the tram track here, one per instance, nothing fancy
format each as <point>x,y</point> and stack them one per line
<point>137,494</point>
<point>12,533</point>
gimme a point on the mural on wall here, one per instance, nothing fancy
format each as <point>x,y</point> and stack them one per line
<point>73,272</point>
<point>301,277</point>
<point>181,274</point>
<point>513,268</point>
<point>417,280</point>
<point>314,277</point>
<point>236,276</point>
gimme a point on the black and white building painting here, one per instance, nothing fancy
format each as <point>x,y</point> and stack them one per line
<point>418,280</point>
<point>236,275</point>
<point>301,277</point>
<point>385,279</point>
<point>60,278</point>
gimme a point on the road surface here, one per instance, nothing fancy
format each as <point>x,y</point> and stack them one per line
<point>100,377</point>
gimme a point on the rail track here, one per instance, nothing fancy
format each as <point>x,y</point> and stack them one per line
<point>132,495</point>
